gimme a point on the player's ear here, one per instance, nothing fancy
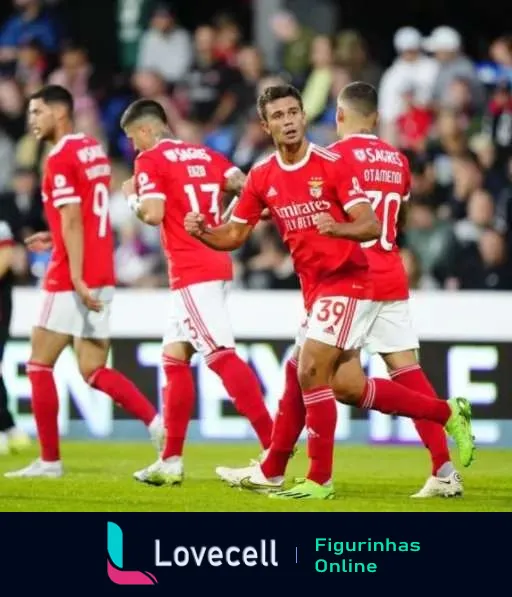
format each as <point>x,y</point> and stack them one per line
<point>60,111</point>
<point>264,126</point>
<point>339,115</point>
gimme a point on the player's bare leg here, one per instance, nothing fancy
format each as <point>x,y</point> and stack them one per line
<point>179,397</point>
<point>46,347</point>
<point>444,481</point>
<point>92,354</point>
<point>351,386</point>
<point>268,475</point>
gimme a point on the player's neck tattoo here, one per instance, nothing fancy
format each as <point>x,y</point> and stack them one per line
<point>161,135</point>
<point>364,132</point>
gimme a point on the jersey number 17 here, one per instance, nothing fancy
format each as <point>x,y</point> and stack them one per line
<point>212,191</point>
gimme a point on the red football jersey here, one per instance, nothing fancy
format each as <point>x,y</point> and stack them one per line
<point>385,176</point>
<point>295,195</point>
<point>188,178</point>
<point>78,171</point>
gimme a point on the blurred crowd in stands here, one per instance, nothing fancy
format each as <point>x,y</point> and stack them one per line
<point>450,113</point>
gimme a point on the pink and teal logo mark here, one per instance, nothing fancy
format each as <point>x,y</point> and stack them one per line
<point>116,572</point>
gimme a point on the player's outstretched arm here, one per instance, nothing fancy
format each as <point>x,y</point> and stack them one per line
<point>227,237</point>
<point>364,225</point>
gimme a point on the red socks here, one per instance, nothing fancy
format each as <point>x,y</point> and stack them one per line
<point>179,395</point>
<point>45,406</point>
<point>288,424</point>
<point>124,392</point>
<point>432,434</point>
<point>321,418</point>
<point>45,402</point>
<point>243,386</point>
<point>394,399</point>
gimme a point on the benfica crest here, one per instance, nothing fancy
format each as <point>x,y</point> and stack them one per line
<point>360,155</point>
<point>315,187</point>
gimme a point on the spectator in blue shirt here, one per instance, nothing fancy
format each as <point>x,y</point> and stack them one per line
<point>32,23</point>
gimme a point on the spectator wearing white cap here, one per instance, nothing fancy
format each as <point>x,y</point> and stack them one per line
<point>446,45</point>
<point>410,68</point>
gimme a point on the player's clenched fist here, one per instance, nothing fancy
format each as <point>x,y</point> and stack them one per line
<point>194,223</point>
<point>326,224</point>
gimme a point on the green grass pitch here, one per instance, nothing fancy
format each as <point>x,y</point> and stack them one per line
<point>371,478</point>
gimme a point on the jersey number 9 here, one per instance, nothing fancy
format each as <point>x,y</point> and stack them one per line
<point>100,207</point>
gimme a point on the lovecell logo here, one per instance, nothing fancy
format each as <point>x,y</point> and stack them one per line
<point>115,570</point>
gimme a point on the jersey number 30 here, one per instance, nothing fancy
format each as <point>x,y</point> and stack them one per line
<point>391,203</point>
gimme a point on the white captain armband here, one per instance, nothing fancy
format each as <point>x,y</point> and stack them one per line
<point>134,203</point>
<point>229,210</point>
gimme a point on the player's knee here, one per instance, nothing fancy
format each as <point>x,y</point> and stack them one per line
<point>347,389</point>
<point>46,346</point>
<point>178,351</point>
<point>396,361</point>
<point>309,371</point>
<point>37,352</point>
<point>316,365</point>
<point>87,371</point>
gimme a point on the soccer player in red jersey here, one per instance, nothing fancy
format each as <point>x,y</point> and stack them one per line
<point>323,214</point>
<point>79,282</point>
<point>385,176</point>
<point>172,178</point>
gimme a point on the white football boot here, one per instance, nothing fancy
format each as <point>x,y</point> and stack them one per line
<point>162,472</point>
<point>38,468</point>
<point>249,477</point>
<point>157,433</point>
<point>449,486</point>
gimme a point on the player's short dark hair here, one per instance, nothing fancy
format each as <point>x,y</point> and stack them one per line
<point>54,94</point>
<point>143,108</point>
<point>275,92</point>
<point>361,96</point>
